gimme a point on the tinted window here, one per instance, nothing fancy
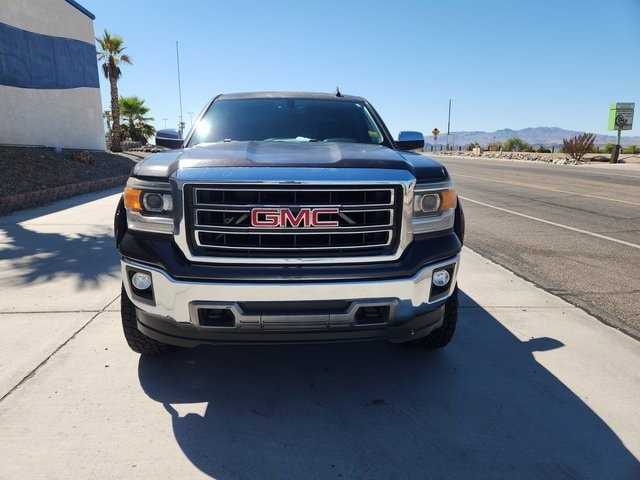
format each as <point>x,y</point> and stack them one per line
<point>281,119</point>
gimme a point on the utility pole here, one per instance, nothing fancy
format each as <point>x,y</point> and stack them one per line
<point>181,124</point>
<point>449,125</point>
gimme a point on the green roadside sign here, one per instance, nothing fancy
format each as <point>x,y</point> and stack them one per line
<point>621,116</point>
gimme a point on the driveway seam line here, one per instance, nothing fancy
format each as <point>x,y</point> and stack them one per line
<point>53,311</point>
<point>33,372</point>
<point>511,307</point>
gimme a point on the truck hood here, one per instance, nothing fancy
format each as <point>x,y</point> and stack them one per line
<point>291,155</point>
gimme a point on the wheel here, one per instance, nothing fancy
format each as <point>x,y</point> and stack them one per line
<point>459,224</point>
<point>138,342</point>
<point>442,336</point>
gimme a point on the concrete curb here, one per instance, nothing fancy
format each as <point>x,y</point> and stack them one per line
<point>11,203</point>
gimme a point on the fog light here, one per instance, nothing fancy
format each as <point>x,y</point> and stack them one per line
<point>440,278</point>
<point>141,281</point>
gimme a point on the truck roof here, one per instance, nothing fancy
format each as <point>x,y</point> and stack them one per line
<point>315,95</point>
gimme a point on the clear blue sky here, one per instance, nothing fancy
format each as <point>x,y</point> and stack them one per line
<point>505,64</point>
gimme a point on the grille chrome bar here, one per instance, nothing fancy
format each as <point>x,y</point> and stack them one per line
<point>386,235</point>
<point>243,220</point>
<point>219,196</point>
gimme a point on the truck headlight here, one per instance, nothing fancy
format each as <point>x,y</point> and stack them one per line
<point>157,202</point>
<point>149,206</point>
<point>434,207</point>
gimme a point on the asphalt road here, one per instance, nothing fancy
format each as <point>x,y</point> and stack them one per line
<point>531,387</point>
<point>573,230</point>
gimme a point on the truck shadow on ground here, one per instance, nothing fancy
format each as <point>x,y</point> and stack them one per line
<point>481,408</point>
<point>34,253</point>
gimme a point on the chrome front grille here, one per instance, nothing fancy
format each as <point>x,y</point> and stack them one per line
<point>226,220</point>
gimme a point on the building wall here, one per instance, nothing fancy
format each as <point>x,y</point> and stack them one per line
<point>58,18</point>
<point>49,86</point>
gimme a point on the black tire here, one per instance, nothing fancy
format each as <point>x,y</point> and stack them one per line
<point>138,342</point>
<point>459,225</point>
<point>442,336</point>
<point>119,222</point>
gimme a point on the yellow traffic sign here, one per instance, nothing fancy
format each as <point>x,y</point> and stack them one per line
<point>435,132</point>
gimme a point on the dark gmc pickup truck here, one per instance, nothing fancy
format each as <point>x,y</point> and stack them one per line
<point>288,218</point>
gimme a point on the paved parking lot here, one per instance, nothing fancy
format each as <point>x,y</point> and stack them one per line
<point>531,386</point>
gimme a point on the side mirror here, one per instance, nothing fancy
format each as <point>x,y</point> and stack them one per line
<point>169,138</point>
<point>410,141</point>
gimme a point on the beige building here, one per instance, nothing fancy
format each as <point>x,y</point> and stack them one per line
<point>49,85</point>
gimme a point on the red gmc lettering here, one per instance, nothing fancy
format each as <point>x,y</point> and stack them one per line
<point>316,222</point>
<point>294,221</point>
<point>265,217</point>
<point>284,217</point>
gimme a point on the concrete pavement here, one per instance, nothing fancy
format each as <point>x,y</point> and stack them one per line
<point>58,270</point>
<point>531,387</point>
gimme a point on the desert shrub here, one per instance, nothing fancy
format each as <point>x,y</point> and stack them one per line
<point>82,157</point>
<point>579,145</point>
<point>516,144</point>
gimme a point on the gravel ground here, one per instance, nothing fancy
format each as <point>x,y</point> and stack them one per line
<point>555,158</point>
<point>26,169</point>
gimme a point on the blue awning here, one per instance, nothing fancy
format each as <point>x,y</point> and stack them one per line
<point>33,60</point>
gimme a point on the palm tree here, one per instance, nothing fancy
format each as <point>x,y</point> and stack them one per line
<point>134,109</point>
<point>111,48</point>
<point>107,117</point>
<point>145,130</point>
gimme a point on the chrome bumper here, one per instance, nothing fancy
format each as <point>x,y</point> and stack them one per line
<point>177,302</point>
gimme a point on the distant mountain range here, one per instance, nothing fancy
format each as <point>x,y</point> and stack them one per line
<point>547,136</point>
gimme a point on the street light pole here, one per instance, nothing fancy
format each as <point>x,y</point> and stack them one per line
<point>449,125</point>
<point>181,124</point>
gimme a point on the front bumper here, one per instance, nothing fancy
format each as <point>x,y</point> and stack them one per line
<point>178,311</point>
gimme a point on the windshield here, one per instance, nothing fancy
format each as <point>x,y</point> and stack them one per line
<point>287,120</point>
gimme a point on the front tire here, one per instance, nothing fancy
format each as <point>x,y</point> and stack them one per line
<point>138,342</point>
<point>442,336</point>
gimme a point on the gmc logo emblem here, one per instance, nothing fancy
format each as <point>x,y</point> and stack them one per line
<point>284,217</point>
